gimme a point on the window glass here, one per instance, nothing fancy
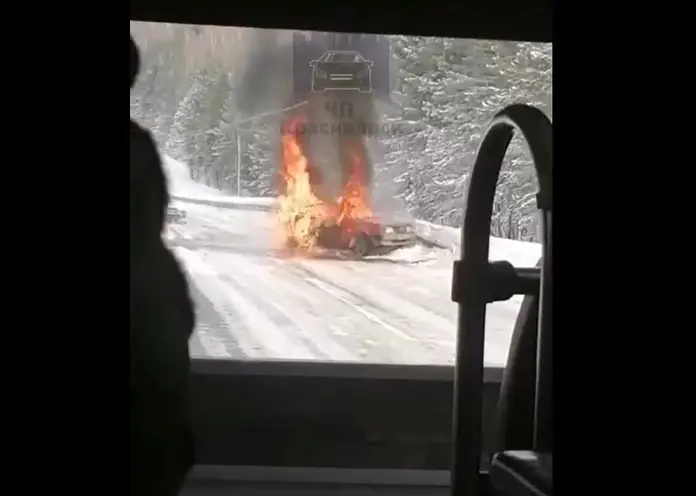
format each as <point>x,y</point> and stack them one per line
<point>316,208</point>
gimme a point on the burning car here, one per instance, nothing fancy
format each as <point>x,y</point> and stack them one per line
<point>347,223</point>
<point>369,236</point>
<point>360,237</point>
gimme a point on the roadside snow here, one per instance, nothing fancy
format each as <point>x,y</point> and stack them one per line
<point>518,253</point>
<point>183,188</point>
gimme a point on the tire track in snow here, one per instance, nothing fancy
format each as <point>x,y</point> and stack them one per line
<point>320,319</point>
<point>501,316</point>
<point>385,328</point>
<point>426,287</point>
<point>264,291</point>
<point>334,318</point>
<point>407,282</point>
<point>258,336</point>
<point>210,332</point>
<point>409,312</point>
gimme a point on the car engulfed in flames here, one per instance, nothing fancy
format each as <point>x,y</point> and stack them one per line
<point>309,223</point>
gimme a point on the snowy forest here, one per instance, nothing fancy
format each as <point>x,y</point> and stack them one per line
<point>208,104</point>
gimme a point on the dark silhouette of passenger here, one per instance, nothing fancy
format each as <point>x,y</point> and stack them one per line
<point>161,322</point>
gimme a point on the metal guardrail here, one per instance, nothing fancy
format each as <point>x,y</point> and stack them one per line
<point>234,203</point>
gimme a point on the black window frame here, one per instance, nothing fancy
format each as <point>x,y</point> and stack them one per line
<point>293,414</point>
<point>214,381</point>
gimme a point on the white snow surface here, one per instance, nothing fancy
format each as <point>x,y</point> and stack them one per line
<point>181,186</point>
<point>518,253</point>
<point>255,303</point>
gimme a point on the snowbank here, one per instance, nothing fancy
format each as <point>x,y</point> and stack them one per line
<point>518,253</point>
<point>183,188</point>
<point>181,184</point>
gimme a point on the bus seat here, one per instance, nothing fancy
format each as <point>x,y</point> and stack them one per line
<point>521,473</point>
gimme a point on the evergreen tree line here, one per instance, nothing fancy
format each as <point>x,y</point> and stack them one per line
<point>445,93</point>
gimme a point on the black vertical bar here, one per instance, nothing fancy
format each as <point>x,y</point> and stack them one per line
<point>468,387</point>
<point>543,408</point>
<point>471,274</point>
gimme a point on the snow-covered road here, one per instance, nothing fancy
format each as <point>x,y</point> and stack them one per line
<point>253,302</point>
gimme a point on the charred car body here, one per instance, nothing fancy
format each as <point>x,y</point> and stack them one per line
<point>361,237</point>
<point>365,237</point>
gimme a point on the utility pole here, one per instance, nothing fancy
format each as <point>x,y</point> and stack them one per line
<point>239,161</point>
<point>238,129</point>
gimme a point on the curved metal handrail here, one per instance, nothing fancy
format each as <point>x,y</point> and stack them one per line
<point>476,283</point>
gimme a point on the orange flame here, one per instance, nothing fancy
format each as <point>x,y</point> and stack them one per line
<point>301,213</point>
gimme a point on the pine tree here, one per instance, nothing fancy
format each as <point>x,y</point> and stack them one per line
<point>261,144</point>
<point>452,88</point>
<point>223,135</point>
